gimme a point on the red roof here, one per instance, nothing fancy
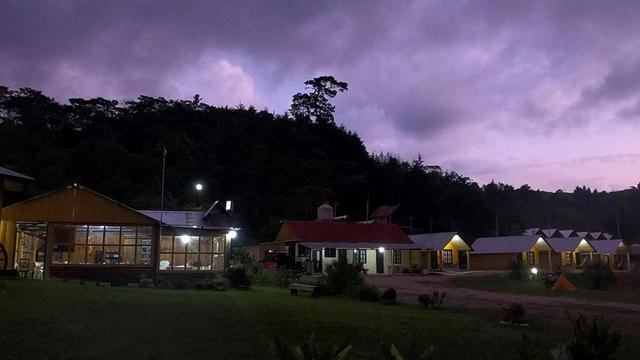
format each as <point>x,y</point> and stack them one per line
<point>318,231</point>
<point>384,211</point>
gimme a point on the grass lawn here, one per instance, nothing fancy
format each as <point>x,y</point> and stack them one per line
<point>41,319</point>
<point>504,284</point>
<point>55,320</point>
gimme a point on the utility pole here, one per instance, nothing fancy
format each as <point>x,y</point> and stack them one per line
<point>157,251</point>
<point>367,216</point>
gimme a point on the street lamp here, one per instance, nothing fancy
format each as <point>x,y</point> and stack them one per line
<point>199,188</point>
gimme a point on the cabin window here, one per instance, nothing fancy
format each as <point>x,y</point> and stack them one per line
<point>567,258</point>
<point>191,253</point>
<point>447,256</point>
<point>361,256</point>
<point>531,260</point>
<point>397,257</point>
<point>101,245</point>
<point>330,252</point>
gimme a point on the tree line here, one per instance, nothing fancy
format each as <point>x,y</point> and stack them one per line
<point>273,166</point>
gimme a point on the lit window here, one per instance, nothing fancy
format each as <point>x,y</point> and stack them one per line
<point>567,258</point>
<point>191,253</point>
<point>447,256</point>
<point>531,260</point>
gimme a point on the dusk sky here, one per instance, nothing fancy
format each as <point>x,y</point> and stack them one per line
<point>539,92</point>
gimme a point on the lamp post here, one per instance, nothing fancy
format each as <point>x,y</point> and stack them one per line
<point>199,187</point>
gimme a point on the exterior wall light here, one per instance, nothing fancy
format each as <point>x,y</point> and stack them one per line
<point>232,234</point>
<point>185,239</point>
<point>381,249</point>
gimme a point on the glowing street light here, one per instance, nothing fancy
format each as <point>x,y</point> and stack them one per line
<point>534,271</point>
<point>199,187</point>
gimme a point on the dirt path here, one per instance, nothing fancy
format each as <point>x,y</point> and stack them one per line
<point>623,315</point>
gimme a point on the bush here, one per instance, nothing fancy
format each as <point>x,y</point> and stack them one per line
<point>594,340</point>
<point>145,282</point>
<point>369,293</point>
<point>388,296</point>
<point>285,277</point>
<point>238,277</point>
<point>514,314</point>
<point>433,300</point>
<point>518,270</point>
<point>214,282</point>
<point>599,275</point>
<point>343,277</point>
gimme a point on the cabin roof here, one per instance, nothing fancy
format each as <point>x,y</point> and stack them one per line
<point>505,244</point>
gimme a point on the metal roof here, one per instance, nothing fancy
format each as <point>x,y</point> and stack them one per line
<point>190,219</point>
<point>331,232</point>
<point>549,232</point>
<point>608,246</point>
<point>432,241</point>
<point>384,210</point>
<point>567,244</point>
<point>567,233</point>
<point>505,244</point>
<point>4,172</point>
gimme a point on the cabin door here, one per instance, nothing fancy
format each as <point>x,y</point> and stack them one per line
<point>342,256</point>
<point>379,262</point>
<point>434,260</point>
<point>462,260</point>
<point>316,259</point>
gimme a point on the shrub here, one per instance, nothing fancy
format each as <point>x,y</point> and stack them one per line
<point>518,270</point>
<point>515,314</point>
<point>310,350</point>
<point>343,277</point>
<point>266,277</point>
<point>388,296</point>
<point>599,275</point>
<point>238,277</point>
<point>284,277</point>
<point>369,293</point>
<point>594,340</point>
<point>146,282</point>
<point>164,284</point>
<point>433,300</point>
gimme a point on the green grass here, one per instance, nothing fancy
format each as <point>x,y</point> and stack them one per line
<point>504,284</point>
<point>55,320</point>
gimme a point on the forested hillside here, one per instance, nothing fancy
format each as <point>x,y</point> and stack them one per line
<point>272,166</point>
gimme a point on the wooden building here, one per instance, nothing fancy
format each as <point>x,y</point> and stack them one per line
<point>570,252</point>
<point>498,253</point>
<point>445,250</point>
<point>79,233</point>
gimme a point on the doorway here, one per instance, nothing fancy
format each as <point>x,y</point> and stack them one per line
<point>342,256</point>
<point>434,260</point>
<point>30,249</point>
<point>462,260</point>
<point>316,259</point>
<point>379,262</point>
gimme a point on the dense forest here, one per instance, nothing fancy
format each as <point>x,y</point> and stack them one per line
<point>272,166</point>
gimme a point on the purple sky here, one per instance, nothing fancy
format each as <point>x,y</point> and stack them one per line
<point>539,92</point>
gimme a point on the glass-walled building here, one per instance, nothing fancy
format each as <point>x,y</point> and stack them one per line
<point>76,232</point>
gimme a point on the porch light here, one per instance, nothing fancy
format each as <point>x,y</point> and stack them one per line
<point>355,251</point>
<point>185,239</point>
<point>232,234</point>
<point>534,271</point>
<point>381,249</point>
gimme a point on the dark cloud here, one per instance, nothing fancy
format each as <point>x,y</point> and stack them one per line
<point>494,75</point>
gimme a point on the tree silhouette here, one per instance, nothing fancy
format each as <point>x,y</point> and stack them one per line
<point>315,104</point>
